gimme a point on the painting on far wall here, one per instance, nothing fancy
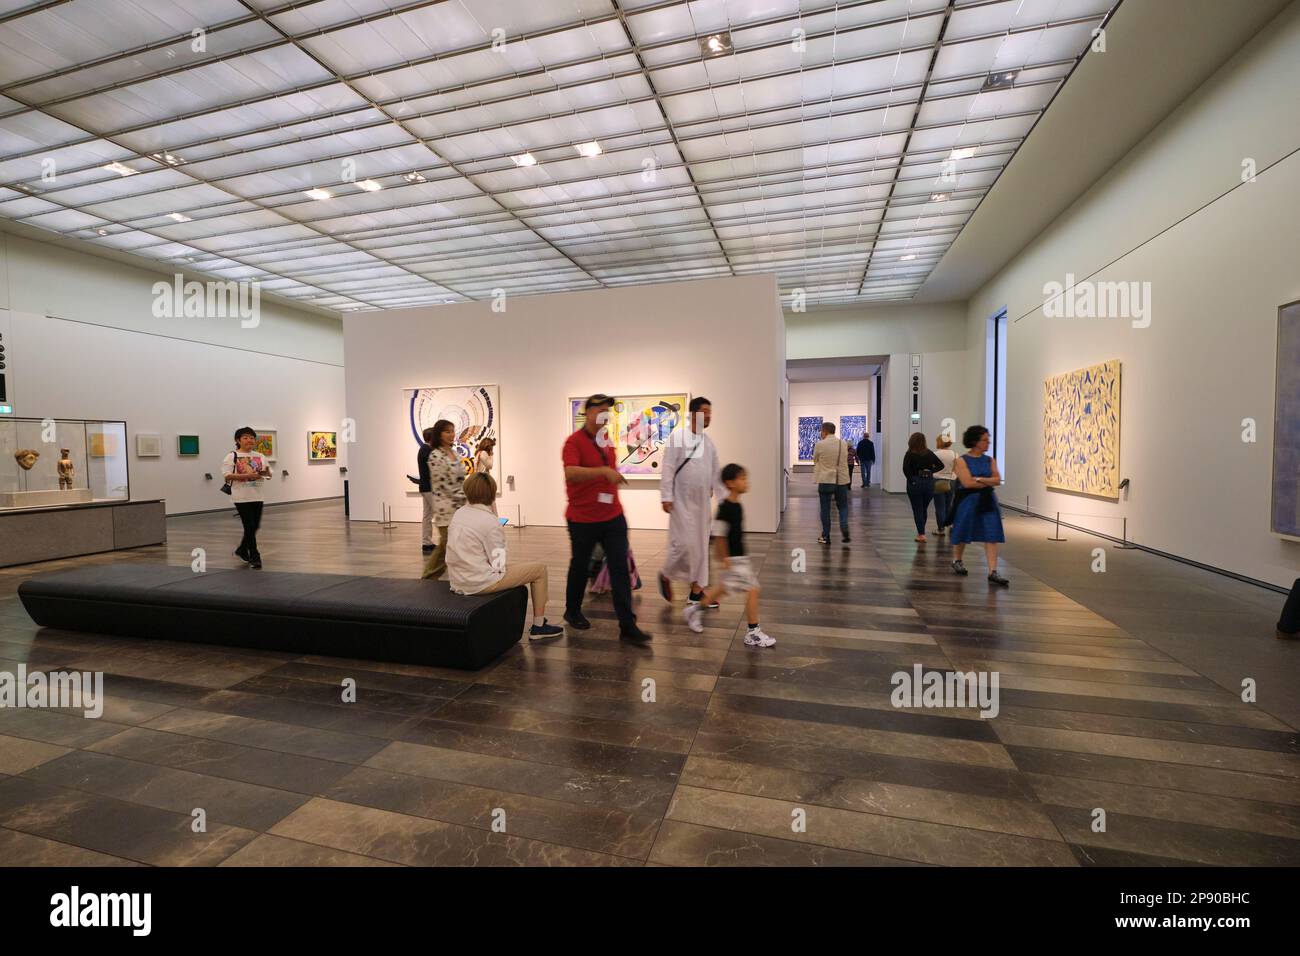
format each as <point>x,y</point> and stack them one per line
<point>187,446</point>
<point>266,443</point>
<point>640,426</point>
<point>1081,430</point>
<point>322,446</point>
<point>1286,425</point>
<point>474,410</point>
<point>852,428</point>
<point>810,433</point>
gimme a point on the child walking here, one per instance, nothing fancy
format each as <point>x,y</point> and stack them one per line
<point>737,573</point>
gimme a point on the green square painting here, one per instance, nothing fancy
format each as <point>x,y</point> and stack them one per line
<point>187,446</point>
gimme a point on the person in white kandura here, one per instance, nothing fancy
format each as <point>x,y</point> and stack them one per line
<point>687,484</point>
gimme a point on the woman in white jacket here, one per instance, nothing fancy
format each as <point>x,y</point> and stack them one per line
<point>476,555</point>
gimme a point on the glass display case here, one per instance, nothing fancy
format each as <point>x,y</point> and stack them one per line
<point>48,462</point>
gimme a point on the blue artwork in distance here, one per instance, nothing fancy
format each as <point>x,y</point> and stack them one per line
<point>810,433</point>
<point>852,428</point>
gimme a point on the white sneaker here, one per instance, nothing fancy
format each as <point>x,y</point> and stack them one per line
<point>694,615</point>
<point>757,638</point>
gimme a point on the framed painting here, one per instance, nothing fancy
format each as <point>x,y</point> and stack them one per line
<point>1285,513</point>
<point>474,411</point>
<point>1081,417</point>
<point>322,446</point>
<point>852,428</point>
<point>810,433</point>
<point>148,446</point>
<point>640,426</point>
<point>187,446</point>
<point>266,443</point>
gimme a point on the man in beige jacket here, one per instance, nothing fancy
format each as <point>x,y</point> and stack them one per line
<point>831,472</point>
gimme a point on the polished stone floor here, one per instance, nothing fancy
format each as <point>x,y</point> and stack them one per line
<point>1119,692</point>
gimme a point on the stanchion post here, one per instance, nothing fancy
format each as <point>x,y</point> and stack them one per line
<point>1124,542</point>
<point>1058,537</point>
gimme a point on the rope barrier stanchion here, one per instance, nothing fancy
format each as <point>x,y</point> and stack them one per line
<point>1057,536</point>
<point>1125,544</point>
<point>386,522</point>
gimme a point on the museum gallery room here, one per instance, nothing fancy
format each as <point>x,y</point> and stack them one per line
<point>690,433</point>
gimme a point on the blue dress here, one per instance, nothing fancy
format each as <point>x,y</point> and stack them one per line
<point>971,524</point>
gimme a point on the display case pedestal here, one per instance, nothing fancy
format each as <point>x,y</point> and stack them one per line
<point>44,499</point>
<point>28,535</point>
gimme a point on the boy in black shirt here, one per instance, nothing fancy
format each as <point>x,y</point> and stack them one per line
<point>737,573</point>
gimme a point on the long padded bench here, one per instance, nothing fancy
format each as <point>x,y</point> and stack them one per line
<point>382,619</point>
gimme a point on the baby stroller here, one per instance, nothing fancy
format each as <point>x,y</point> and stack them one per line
<point>598,574</point>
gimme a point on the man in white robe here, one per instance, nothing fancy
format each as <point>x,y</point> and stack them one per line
<point>687,484</point>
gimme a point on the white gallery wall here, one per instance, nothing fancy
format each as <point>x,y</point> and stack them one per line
<point>829,401</point>
<point>1221,255</point>
<point>943,397</point>
<point>721,338</point>
<point>83,343</point>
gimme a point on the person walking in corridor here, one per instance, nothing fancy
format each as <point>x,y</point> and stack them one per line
<point>831,472</point>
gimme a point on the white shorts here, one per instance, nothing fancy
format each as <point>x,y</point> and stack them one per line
<point>739,578</point>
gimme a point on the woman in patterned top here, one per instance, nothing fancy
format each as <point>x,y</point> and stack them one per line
<point>446,484</point>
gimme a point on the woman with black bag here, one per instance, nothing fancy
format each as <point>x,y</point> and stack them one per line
<point>244,469</point>
<point>919,466</point>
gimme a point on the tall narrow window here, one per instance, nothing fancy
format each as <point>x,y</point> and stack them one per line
<point>995,387</point>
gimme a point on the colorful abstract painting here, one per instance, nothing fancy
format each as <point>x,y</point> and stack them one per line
<point>266,443</point>
<point>640,426</point>
<point>322,446</point>
<point>1286,425</point>
<point>852,428</point>
<point>810,433</point>
<point>1081,430</point>
<point>474,410</point>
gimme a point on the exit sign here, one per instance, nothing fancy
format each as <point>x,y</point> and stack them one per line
<point>6,409</point>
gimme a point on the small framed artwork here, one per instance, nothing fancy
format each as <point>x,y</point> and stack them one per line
<point>187,446</point>
<point>266,443</point>
<point>322,446</point>
<point>103,445</point>
<point>148,446</point>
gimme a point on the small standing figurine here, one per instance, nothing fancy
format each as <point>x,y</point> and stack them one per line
<point>66,470</point>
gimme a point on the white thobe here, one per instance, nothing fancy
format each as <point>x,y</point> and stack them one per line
<point>689,479</point>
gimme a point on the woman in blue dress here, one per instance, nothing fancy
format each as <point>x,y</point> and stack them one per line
<point>977,515</point>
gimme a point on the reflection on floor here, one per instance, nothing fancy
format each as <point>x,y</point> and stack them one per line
<point>792,755</point>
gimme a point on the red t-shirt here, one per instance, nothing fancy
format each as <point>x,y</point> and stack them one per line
<point>585,497</point>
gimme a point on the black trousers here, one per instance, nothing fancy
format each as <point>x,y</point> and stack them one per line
<point>250,513</point>
<point>920,491</point>
<point>612,537</point>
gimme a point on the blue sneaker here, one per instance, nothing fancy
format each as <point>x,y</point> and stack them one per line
<point>544,632</point>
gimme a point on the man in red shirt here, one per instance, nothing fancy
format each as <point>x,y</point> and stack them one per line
<point>594,515</point>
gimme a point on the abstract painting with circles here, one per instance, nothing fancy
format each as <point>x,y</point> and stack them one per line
<point>474,410</point>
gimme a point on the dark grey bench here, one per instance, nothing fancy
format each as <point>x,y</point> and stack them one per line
<point>382,619</point>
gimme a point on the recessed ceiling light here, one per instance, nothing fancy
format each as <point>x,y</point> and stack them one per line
<point>369,185</point>
<point>120,168</point>
<point>964,152</point>
<point>414,177</point>
<point>179,216</point>
<point>716,44</point>
<point>998,81</point>
<point>102,232</point>
<point>939,197</point>
<point>528,159</point>
<point>318,193</point>
<point>589,149</point>
<point>171,159</point>
<point>909,257</point>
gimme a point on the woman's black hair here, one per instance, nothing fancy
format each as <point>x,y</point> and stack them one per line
<point>732,472</point>
<point>439,427</point>
<point>971,436</point>
<point>240,432</point>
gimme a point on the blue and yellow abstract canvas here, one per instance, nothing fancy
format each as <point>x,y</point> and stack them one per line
<point>1081,430</point>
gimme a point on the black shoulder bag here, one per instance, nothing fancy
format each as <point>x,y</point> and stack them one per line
<point>234,464</point>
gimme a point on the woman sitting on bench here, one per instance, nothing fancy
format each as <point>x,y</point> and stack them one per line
<point>476,554</point>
